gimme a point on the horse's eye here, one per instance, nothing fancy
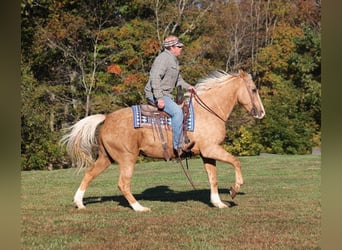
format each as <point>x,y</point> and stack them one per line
<point>254,90</point>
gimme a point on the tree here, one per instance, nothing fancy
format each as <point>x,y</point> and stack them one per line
<point>39,142</point>
<point>284,68</point>
<point>305,68</point>
<point>81,42</point>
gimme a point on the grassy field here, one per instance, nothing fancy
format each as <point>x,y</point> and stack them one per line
<point>278,207</point>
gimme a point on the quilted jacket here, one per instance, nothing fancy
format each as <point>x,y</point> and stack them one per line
<point>164,77</point>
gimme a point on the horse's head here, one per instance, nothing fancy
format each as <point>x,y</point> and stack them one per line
<point>249,97</point>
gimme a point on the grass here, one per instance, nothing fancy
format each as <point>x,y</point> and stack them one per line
<point>278,207</point>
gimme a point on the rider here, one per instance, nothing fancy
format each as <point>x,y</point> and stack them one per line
<point>164,77</point>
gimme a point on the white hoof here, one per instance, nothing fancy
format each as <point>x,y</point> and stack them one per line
<point>144,209</point>
<point>216,201</point>
<point>78,198</point>
<point>79,204</point>
<point>138,208</point>
<point>220,205</point>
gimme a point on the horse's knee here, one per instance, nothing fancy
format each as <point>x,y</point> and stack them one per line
<point>236,162</point>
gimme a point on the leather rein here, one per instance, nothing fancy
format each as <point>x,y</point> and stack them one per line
<point>204,105</point>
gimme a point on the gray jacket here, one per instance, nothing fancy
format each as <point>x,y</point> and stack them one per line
<point>164,77</point>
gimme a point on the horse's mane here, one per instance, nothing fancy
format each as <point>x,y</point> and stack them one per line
<point>214,79</point>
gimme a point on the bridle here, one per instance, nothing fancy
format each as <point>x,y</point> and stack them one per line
<point>253,110</point>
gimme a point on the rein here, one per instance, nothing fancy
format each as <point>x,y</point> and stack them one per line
<point>205,106</point>
<point>187,174</point>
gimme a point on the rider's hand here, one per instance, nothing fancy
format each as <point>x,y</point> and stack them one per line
<point>161,103</point>
<point>192,89</point>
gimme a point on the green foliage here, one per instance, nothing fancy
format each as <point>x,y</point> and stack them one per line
<point>244,143</point>
<point>305,68</point>
<point>39,142</point>
<point>135,51</point>
<point>289,71</point>
<point>285,129</point>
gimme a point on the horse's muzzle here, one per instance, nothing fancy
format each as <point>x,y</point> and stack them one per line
<point>258,114</point>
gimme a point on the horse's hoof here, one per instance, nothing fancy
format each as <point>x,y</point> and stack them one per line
<point>232,192</point>
<point>220,205</point>
<point>138,208</point>
<point>79,205</point>
<point>144,209</point>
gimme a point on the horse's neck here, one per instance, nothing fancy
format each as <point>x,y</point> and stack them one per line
<point>221,99</point>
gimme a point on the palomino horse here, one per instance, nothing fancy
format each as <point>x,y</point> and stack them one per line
<point>118,140</point>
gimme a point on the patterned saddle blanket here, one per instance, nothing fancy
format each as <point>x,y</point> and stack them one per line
<point>142,119</point>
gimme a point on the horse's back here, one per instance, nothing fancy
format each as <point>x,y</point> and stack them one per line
<point>118,126</point>
<point>122,114</point>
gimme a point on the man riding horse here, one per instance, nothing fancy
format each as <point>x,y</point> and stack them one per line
<point>164,77</point>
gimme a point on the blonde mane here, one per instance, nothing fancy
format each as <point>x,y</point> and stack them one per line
<point>213,80</point>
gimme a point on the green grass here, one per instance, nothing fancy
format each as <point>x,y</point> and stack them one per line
<point>278,207</point>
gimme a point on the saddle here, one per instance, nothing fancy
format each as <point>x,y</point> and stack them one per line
<point>151,109</point>
<point>160,117</point>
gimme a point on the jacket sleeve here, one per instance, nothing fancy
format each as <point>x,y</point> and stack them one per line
<point>157,73</point>
<point>182,82</point>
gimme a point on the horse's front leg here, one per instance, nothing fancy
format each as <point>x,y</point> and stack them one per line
<point>218,153</point>
<point>210,167</point>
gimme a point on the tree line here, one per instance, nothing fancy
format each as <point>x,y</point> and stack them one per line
<point>93,56</point>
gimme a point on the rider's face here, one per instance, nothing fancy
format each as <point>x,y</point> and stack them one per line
<point>176,50</point>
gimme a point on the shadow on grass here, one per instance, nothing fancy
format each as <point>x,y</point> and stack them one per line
<point>163,194</point>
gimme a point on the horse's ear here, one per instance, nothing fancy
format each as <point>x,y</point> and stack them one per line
<point>242,74</point>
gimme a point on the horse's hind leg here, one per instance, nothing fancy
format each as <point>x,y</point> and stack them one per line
<point>124,183</point>
<point>94,170</point>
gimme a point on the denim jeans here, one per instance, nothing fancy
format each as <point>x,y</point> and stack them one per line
<point>176,114</point>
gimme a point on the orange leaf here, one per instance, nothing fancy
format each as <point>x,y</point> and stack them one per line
<point>114,69</point>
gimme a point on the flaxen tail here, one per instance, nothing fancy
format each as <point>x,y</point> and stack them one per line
<point>81,141</point>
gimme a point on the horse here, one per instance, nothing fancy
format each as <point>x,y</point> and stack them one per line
<point>96,141</point>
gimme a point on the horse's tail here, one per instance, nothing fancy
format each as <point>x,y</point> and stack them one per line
<point>81,142</point>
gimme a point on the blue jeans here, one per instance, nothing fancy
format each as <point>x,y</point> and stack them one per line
<point>176,114</point>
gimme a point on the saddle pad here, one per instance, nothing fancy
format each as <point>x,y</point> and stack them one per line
<point>140,120</point>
